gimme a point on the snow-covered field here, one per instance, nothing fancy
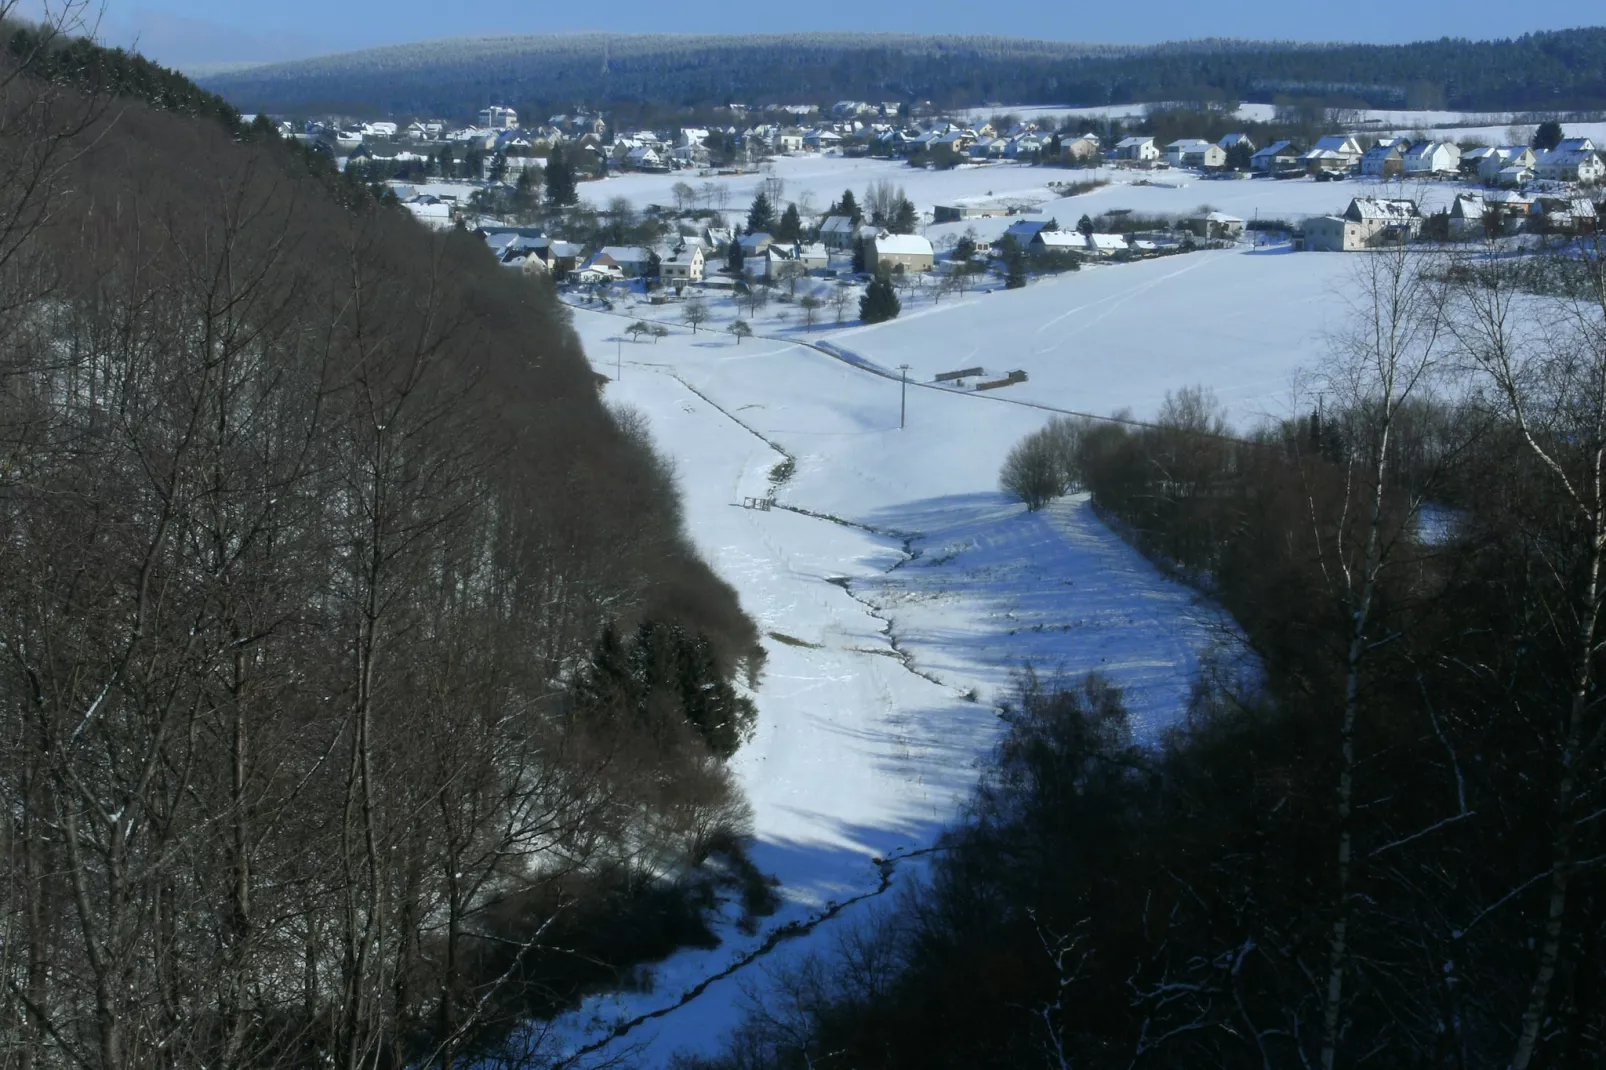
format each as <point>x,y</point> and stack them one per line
<point>897,612</point>
<point>1500,134</point>
<point>819,180</point>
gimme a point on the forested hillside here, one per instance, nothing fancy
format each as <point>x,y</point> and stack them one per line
<point>362,694</point>
<point>454,78</point>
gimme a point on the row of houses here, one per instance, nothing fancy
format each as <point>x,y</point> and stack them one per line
<point>1380,222</point>
<point>1575,160</point>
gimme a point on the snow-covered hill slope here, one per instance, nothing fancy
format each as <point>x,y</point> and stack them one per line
<point>898,591</point>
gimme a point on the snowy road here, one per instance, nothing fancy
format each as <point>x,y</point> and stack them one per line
<point>891,630</point>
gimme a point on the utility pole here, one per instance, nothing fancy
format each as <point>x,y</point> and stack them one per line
<point>619,357</point>
<point>903,395</point>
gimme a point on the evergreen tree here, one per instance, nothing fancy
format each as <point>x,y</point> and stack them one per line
<point>761,216</point>
<point>560,191</point>
<point>879,302</point>
<point>861,255</point>
<point>847,206</point>
<point>1084,225</point>
<point>965,248</point>
<point>1014,264</point>
<point>733,257</point>
<point>526,191</point>
<point>1548,135</point>
<point>790,228</point>
<point>905,220</point>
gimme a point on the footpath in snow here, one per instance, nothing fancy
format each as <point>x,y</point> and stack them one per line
<point>898,591</point>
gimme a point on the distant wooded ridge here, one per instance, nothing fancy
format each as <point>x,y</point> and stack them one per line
<point>1563,69</point>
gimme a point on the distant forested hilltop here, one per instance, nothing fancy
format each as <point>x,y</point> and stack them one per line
<point>1562,69</point>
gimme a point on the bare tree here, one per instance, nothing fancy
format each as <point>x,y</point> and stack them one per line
<point>789,274</point>
<point>842,298</point>
<point>1551,387</point>
<point>685,197</point>
<point>695,313</point>
<point>881,201</point>
<point>1389,356</point>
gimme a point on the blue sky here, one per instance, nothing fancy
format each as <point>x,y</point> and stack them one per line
<point>201,32</point>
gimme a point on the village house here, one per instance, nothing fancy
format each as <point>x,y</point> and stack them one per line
<point>1074,241</point>
<point>563,256</point>
<point>1574,160</point>
<point>1432,158</point>
<point>1280,157</point>
<point>495,118</point>
<point>956,213</point>
<point>1079,149</point>
<point>1386,159</point>
<point>1057,241</point>
<point>1514,177</point>
<point>1502,158</point>
<point>813,257</point>
<point>1565,215</point>
<point>988,148</point>
<point>1023,146</point>
<point>1368,223</point>
<point>899,252</point>
<point>631,261</point>
<point>837,232</point>
<point>1175,151</point>
<point>1476,215</point>
<point>1141,149</point>
<point>821,140</point>
<point>1215,226</point>
<point>1467,217</point>
<point>683,267</point>
<point>754,244</point>
<point>1335,153</point>
<point>1232,141</point>
<point>1024,230</point>
<point>1204,156</point>
<point>1103,244</point>
<point>643,158</point>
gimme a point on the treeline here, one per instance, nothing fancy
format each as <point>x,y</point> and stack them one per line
<point>1385,844</point>
<point>363,697</point>
<point>78,62</point>
<point>541,75</point>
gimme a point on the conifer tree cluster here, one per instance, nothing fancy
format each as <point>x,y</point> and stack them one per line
<point>879,303</point>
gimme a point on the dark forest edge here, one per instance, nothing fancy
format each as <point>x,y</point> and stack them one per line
<point>364,696</point>
<point>542,75</point>
<point>1384,846</point>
